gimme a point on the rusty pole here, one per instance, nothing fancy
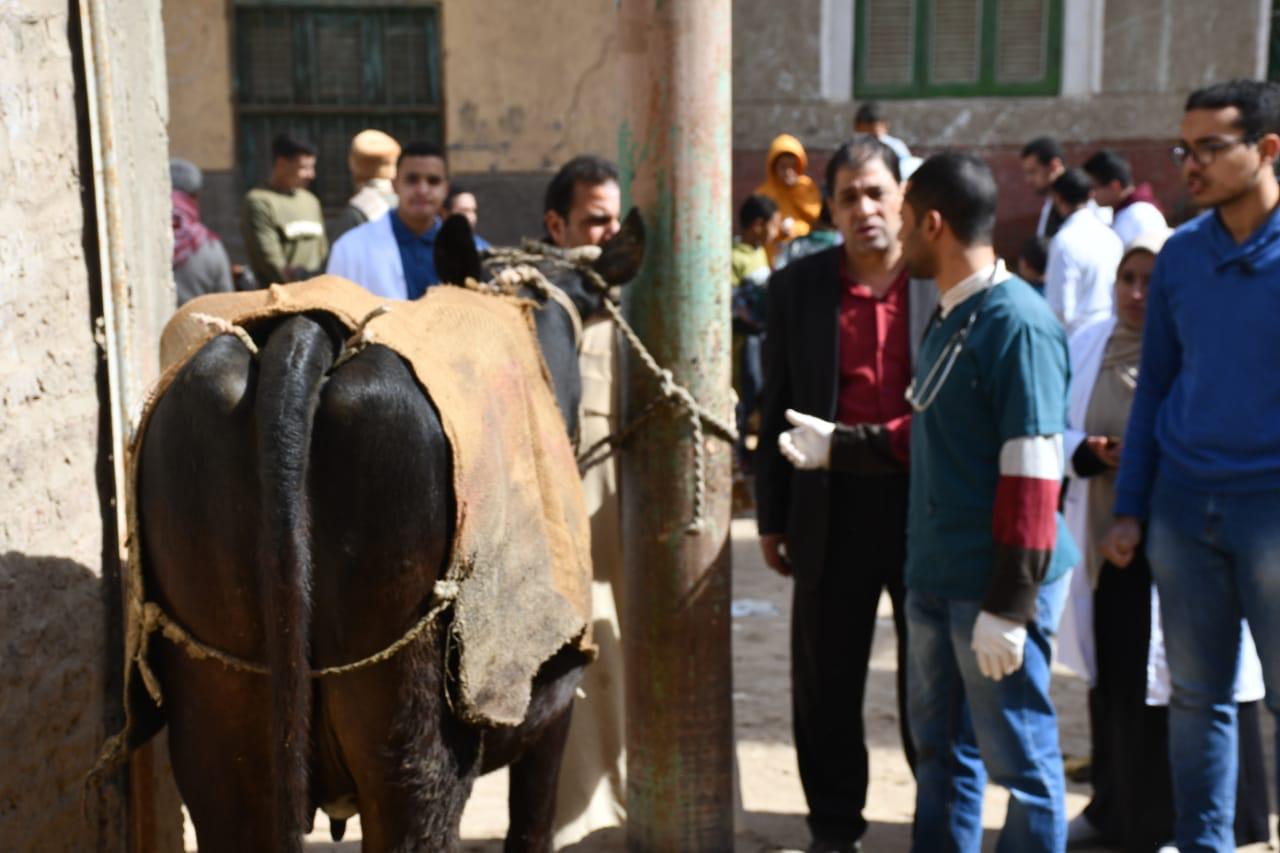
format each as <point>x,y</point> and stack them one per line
<point>675,152</point>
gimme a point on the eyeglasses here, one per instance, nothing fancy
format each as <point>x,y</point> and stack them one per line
<point>1204,153</point>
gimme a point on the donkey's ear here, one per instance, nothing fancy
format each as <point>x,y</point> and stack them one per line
<point>455,253</point>
<point>622,254</point>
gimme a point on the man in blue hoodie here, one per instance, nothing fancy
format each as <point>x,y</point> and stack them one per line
<point>1200,471</point>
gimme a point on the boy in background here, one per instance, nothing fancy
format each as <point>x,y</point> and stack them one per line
<point>759,225</point>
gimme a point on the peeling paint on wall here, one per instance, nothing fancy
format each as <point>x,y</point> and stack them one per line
<point>199,56</point>
<point>525,90</point>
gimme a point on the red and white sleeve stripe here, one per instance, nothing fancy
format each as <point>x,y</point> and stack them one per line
<point>1024,523</point>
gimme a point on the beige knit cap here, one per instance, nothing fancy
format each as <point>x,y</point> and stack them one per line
<point>373,155</point>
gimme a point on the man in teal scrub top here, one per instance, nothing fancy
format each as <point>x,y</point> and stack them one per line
<point>987,558</point>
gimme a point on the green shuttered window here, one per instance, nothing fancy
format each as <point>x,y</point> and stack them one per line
<point>327,72</point>
<point>957,48</point>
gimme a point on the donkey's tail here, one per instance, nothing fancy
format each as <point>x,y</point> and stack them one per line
<point>291,372</point>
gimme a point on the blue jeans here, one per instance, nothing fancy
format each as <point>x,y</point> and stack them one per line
<point>1215,559</point>
<point>965,725</point>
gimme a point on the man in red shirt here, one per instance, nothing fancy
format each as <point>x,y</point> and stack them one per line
<point>843,327</point>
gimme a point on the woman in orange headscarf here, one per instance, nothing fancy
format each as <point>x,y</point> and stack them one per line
<point>798,197</point>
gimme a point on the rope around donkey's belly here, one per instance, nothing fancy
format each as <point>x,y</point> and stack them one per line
<point>154,619</point>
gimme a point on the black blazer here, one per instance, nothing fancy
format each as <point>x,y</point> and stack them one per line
<point>801,372</point>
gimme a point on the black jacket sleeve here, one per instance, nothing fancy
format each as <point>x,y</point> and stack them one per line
<point>864,449</point>
<point>773,472</point>
<point>1086,463</point>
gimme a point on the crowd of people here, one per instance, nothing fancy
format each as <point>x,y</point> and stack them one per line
<point>382,239</point>
<point>1077,462</point>
<point>1081,459</point>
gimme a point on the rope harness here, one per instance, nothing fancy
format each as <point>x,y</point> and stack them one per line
<point>360,339</point>
<point>520,272</point>
<point>226,327</point>
<point>670,392</point>
<point>155,619</point>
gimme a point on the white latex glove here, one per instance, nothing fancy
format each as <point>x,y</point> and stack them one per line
<point>808,445</point>
<point>998,643</point>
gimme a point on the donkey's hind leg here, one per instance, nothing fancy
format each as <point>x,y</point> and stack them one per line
<point>535,749</point>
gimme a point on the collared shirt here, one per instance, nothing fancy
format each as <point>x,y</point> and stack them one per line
<point>1206,413</point>
<point>1081,270</point>
<point>899,147</point>
<point>985,455</point>
<point>1049,222</point>
<point>988,276</point>
<point>1138,214</point>
<point>417,255</point>
<point>875,358</point>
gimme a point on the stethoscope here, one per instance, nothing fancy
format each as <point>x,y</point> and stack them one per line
<point>942,366</point>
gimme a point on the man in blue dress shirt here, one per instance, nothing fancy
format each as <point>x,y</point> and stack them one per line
<point>393,256</point>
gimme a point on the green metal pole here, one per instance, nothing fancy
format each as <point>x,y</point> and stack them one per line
<point>675,150</point>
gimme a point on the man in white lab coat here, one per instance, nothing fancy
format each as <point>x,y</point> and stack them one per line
<point>393,256</point>
<point>1083,256</point>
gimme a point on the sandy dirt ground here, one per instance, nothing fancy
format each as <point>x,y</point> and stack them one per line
<point>773,803</point>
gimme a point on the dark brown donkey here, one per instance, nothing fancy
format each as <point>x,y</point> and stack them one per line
<point>298,515</point>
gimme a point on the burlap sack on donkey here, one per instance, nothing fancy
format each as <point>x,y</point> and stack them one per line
<point>521,548</point>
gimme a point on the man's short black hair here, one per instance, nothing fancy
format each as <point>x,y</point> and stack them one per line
<point>755,208</point>
<point>1257,100</point>
<point>1036,253</point>
<point>869,113</point>
<point>858,152</point>
<point>286,146</point>
<point>588,169</point>
<point>422,149</point>
<point>455,190</point>
<point>962,188</point>
<point>1046,149</point>
<point>1072,186</point>
<point>1105,166</point>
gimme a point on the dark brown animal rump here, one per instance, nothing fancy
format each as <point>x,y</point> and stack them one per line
<point>299,515</point>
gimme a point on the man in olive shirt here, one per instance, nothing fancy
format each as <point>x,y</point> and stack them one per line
<point>282,223</point>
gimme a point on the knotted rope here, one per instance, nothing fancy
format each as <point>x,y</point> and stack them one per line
<point>360,339</point>
<point>512,279</point>
<point>226,327</point>
<point>670,392</point>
